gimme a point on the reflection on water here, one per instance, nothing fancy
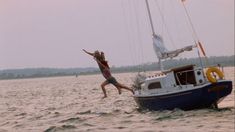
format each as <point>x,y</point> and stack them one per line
<point>75,104</point>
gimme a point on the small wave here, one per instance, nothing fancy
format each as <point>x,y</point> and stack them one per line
<point>167,115</point>
<point>102,128</point>
<point>126,121</point>
<point>99,113</point>
<point>56,114</point>
<point>130,115</point>
<point>104,113</point>
<point>88,124</point>
<point>21,114</point>
<point>206,112</point>
<point>164,117</point>
<point>118,101</point>
<point>51,129</point>
<point>2,130</point>
<point>200,126</point>
<point>84,112</point>
<point>72,120</point>
<point>224,109</point>
<point>12,109</point>
<point>50,109</point>
<point>61,128</point>
<point>130,111</point>
<point>120,127</point>
<point>6,123</point>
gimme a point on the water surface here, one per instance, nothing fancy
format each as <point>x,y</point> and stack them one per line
<point>70,104</point>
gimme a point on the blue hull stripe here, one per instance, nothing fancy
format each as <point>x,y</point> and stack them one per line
<point>187,100</point>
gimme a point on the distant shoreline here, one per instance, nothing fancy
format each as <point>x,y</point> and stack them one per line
<point>225,61</point>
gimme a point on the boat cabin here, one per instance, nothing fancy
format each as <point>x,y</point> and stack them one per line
<point>177,77</point>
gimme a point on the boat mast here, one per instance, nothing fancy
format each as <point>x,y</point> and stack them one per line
<point>150,17</point>
<point>152,27</point>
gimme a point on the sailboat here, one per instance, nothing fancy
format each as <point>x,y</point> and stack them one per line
<point>187,87</point>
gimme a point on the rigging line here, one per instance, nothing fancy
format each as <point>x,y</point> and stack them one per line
<point>145,21</point>
<point>132,30</point>
<point>195,35</point>
<point>163,9</point>
<point>176,23</point>
<point>191,23</point>
<point>163,20</point>
<point>140,42</point>
<point>162,26</point>
<point>130,41</point>
<point>172,6</point>
<point>200,58</point>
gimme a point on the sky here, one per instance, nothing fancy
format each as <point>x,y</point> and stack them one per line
<point>52,33</point>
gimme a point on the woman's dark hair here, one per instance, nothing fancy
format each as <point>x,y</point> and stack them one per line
<point>97,55</point>
<point>102,56</point>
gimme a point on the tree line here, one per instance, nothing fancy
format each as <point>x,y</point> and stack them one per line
<point>53,72</point>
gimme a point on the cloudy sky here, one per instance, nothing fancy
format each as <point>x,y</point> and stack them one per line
<point>52,33</point>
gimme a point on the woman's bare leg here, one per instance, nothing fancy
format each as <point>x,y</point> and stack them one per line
<point>103,88</point>
<point>119,90</point>
<point>119,86</point>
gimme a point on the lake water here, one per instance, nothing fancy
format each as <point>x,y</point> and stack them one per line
<point>70,104</point>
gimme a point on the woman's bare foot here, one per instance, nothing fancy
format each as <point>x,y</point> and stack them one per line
<point>119,91</point>
<point>104,97</point>
<point>132,91</point>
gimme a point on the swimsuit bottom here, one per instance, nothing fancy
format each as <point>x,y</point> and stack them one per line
<point>112,80</point>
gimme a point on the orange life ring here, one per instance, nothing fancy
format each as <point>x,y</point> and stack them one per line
<point>213,70</point>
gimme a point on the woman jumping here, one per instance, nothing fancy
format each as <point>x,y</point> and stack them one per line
<point>105,70</point>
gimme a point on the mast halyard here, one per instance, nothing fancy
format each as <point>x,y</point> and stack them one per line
<point>195,36</point>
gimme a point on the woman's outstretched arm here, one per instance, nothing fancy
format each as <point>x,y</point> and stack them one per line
<point>89,53</point>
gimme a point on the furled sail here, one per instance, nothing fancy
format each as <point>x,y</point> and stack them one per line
<point>158,46</point>
<point>163,53</point>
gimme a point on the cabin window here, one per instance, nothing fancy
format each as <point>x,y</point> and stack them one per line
<point>155,85</point>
